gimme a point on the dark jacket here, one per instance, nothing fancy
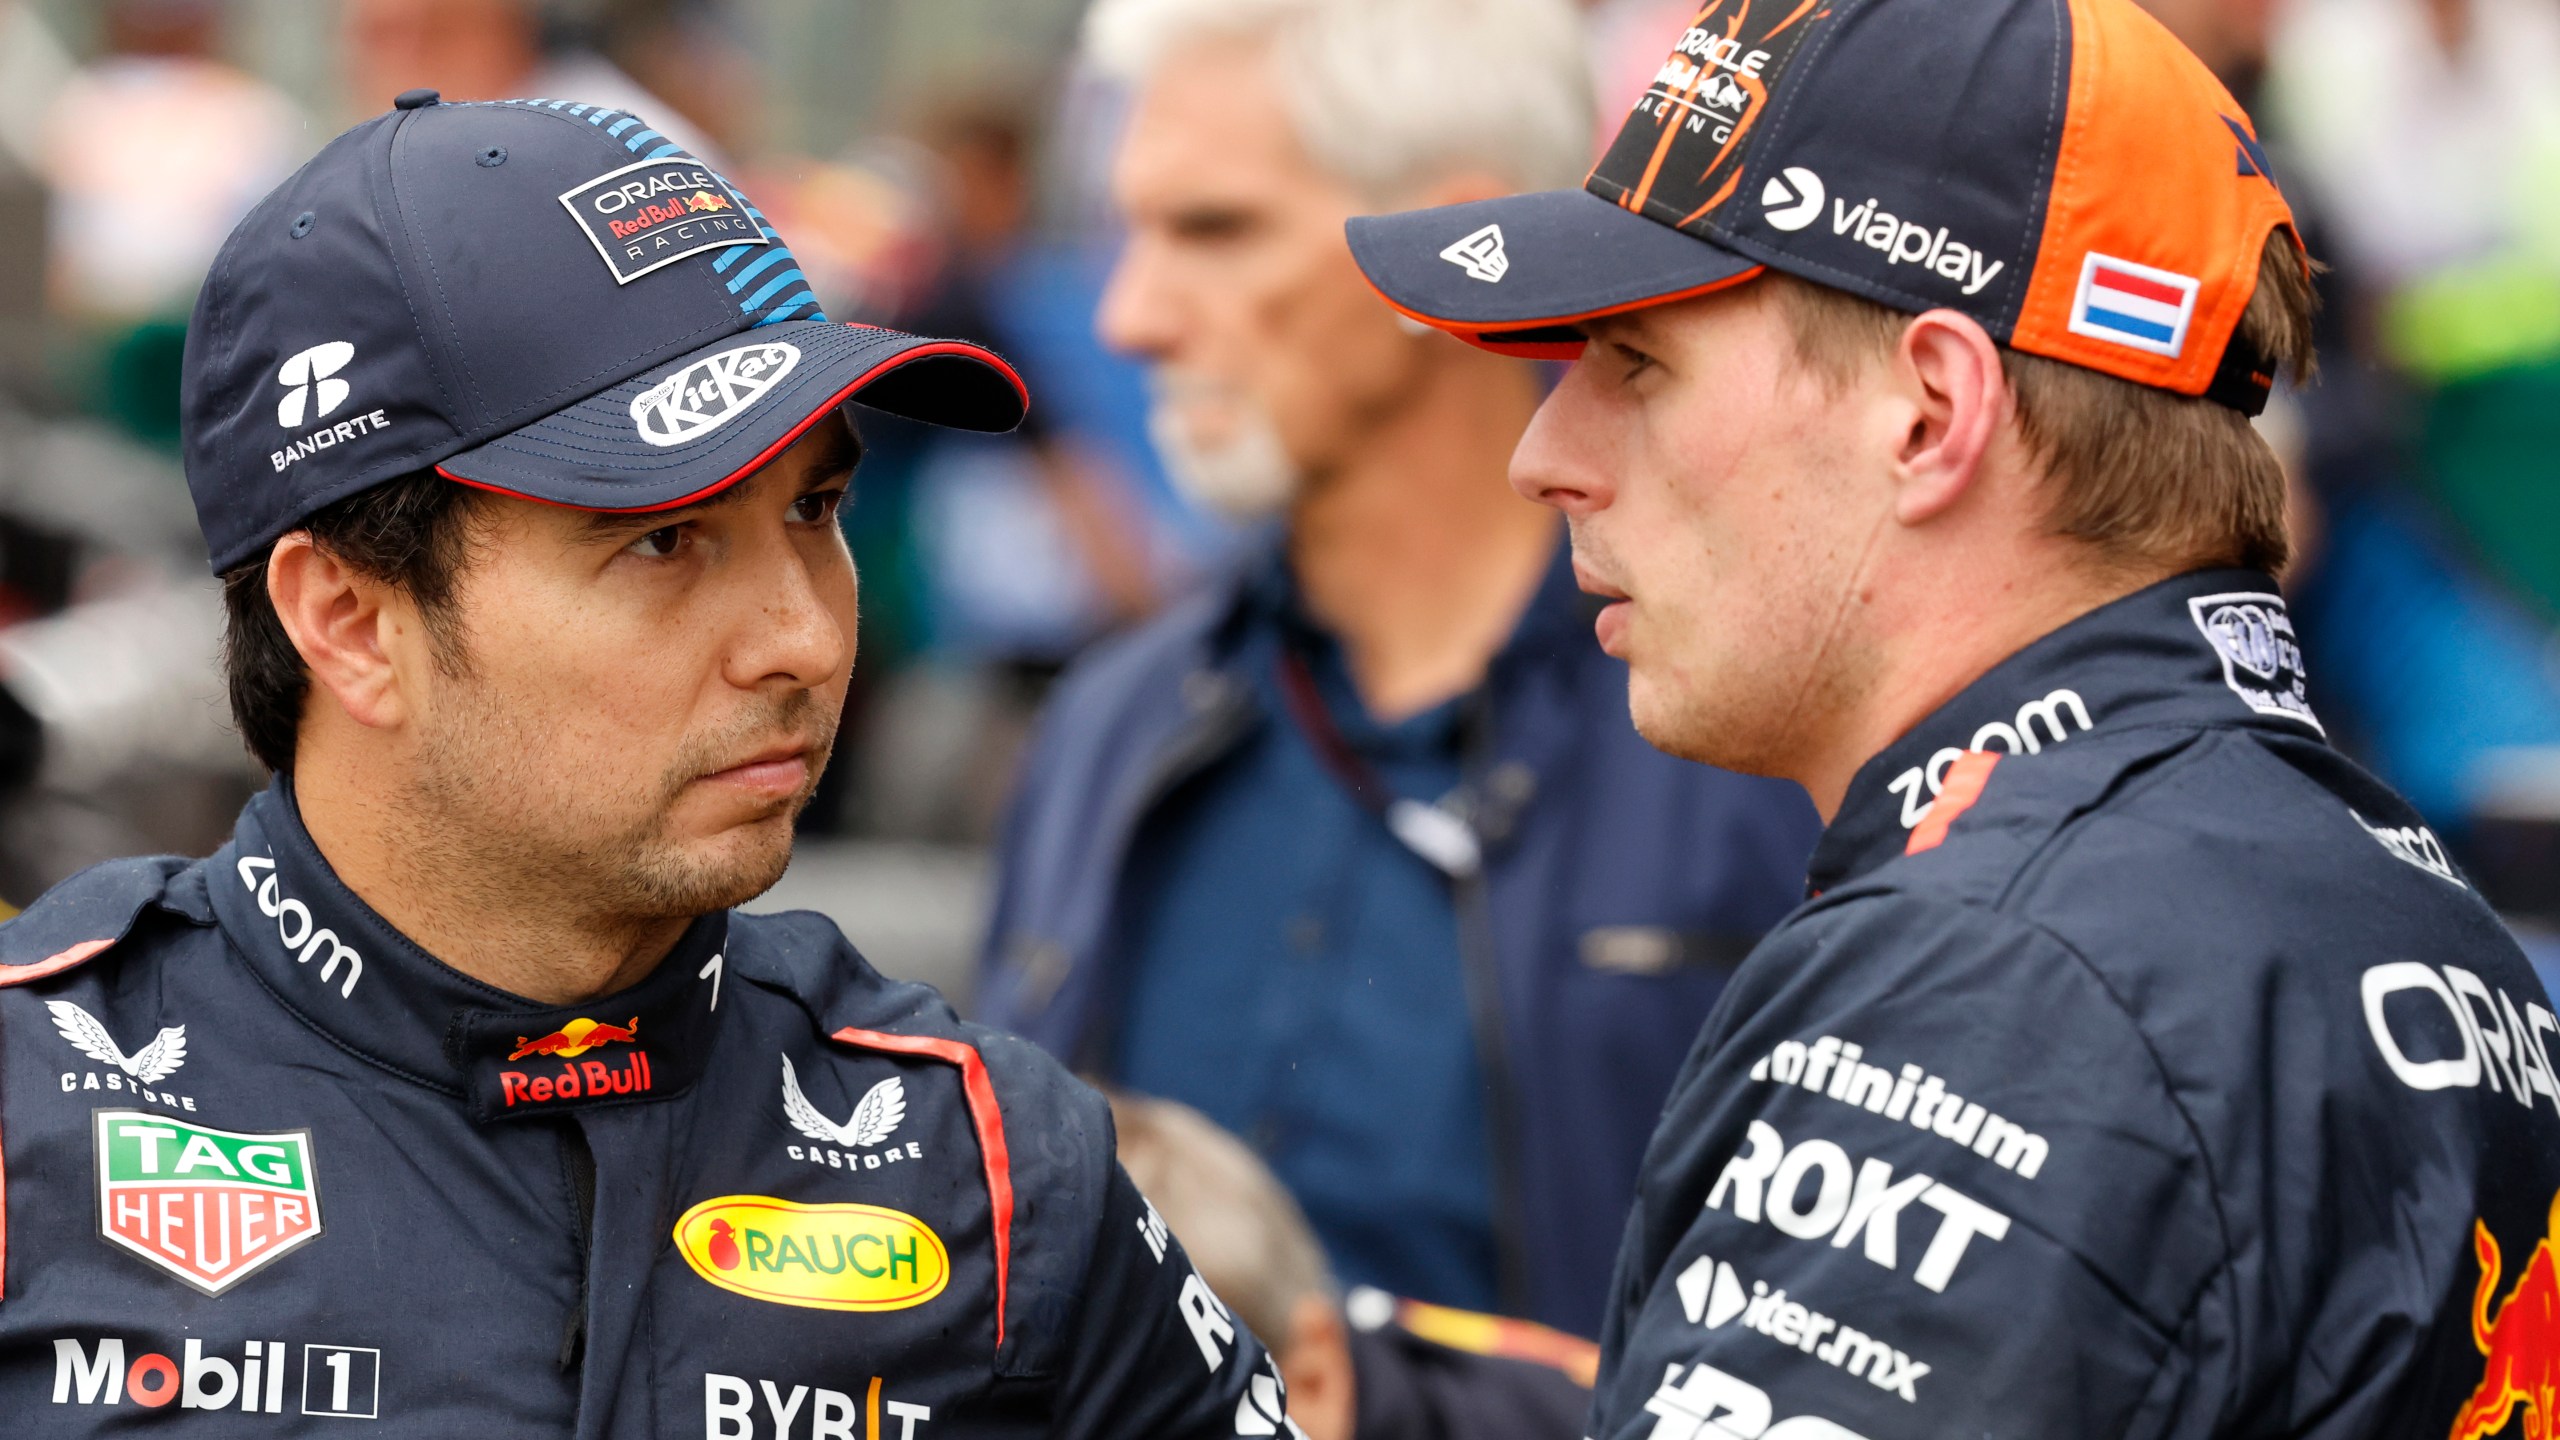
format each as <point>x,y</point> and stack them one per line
<point>1620,886</point>
<point>268,1160</point>
<point>2158,1078</point>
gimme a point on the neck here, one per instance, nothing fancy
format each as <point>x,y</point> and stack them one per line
<point>1415,552</point>
<point>1942,634</point>
<point>499,923</point>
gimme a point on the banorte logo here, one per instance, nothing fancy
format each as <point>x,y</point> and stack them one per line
<point>2522,1344</point>
<point>821,1257</point>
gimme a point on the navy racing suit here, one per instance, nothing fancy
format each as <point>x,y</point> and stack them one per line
<point>2141,1068</point>
<point>271,1164</point>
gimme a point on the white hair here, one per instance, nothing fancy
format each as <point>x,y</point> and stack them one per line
<point>1391,95</point>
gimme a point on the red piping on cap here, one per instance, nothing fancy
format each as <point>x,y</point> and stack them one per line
<point>1473,331</point>
<point>856,385</point>
<point>985,1116</point>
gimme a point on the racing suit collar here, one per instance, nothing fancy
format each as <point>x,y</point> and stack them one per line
<point>346,972</point>
<point>2208,649</point>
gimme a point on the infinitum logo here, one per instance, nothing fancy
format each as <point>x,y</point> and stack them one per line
<point>307,376</point>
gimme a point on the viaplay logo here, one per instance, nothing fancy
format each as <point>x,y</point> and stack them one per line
<point>650,215</point>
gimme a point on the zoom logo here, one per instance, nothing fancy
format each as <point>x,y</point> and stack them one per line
<point>1792,199</point>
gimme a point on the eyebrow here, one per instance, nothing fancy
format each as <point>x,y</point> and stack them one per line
<point>837,454</point>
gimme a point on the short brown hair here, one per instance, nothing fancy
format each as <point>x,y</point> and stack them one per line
<point>412,534</point>
<point>2150,479</point>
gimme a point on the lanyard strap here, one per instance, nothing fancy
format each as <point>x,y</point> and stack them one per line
<point>1436,832</point>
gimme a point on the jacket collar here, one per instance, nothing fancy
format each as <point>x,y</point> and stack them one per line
<point>347,973</point>
<point>2209,650</point>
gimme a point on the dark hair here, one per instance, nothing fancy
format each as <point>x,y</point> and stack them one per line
<point>412,534</point>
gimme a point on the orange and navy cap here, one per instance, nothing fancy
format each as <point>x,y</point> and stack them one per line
<point>2064,171</point>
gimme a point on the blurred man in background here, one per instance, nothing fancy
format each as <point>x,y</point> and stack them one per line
<point>1362,1367</point>
<point>1357,852</point>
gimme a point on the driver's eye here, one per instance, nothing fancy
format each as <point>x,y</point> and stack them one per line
<point>814,508</point>
<point>659,544</point>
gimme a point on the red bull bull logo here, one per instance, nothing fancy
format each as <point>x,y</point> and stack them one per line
<point>704,200</point>
<point>576,1038</point>
<point>2522,1344</point>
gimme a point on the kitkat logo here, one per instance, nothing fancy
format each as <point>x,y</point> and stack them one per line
<point>823,1257</point>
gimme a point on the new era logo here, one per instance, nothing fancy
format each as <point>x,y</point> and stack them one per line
<point>1480,255</point>
<point>2134,305</point>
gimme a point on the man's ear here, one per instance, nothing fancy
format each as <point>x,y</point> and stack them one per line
<point>347,626</point>
<point>1949,369</point>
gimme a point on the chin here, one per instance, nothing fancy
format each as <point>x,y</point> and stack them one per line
<point>720,872</point>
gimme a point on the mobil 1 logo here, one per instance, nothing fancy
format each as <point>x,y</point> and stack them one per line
<point>650,215</point>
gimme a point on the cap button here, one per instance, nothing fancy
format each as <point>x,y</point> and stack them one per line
<point>415,99</point>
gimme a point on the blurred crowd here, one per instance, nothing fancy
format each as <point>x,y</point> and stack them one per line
<point>1329,730</point>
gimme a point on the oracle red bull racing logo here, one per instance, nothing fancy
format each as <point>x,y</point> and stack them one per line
<point>645,216</point>
<point>2521,1342</point>
<point>577,1079</point>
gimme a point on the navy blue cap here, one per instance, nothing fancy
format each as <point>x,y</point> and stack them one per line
<point>536,297</point>
<point>2066,173</point>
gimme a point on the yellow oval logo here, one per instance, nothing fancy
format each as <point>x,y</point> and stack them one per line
<point>826,1257</point>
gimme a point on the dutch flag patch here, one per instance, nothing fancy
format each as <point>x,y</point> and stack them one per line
<point>2133,305</point>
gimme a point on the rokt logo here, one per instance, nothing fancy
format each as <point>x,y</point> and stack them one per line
<point>1711,1295</point>
<point>1481,255</point>
<point>307,371</point>
<point>1767,1181</point>
<point>1792,199</point>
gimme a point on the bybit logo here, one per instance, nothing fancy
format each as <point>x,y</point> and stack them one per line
<point>307,371</point>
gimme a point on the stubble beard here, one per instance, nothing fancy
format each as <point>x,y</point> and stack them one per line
<point>494,820</point>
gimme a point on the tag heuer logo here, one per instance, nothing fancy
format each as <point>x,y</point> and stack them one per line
<point>710,392</point>
<point>208,1206</point>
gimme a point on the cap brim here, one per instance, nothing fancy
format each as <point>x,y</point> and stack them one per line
<point>1566,256</point>
<point>717,415</point>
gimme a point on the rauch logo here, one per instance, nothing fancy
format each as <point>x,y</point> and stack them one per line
<point>824,1257</point>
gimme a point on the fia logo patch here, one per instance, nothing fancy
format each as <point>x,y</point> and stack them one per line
<point>1481,255</point>
<point>2253,637</point>
<point>211,1207</point>
<point>710,392</point>
<point>650,215</point>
